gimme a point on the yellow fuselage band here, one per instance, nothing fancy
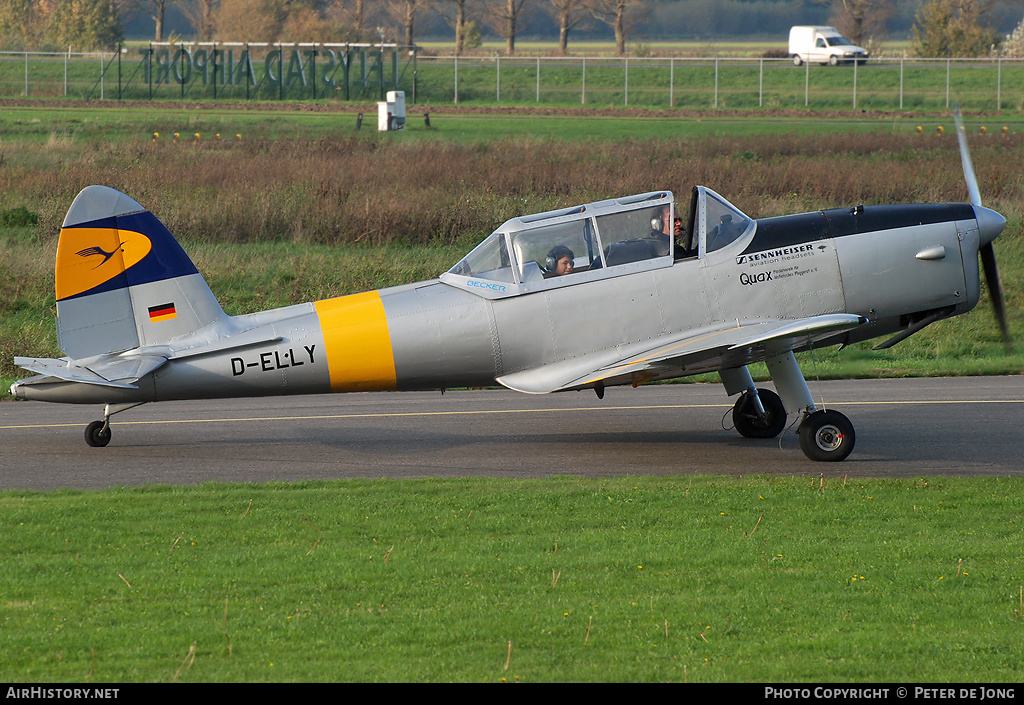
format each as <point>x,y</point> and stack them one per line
<point>357,342</point>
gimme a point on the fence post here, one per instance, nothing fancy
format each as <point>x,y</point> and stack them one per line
<point>456,78</point>
<point>947,83</point>
<point>716,82</point>
<point>671,82</point>
<point>855,62</point>
<point>760,84</point>
<point>497,65</point>
<point>26,74</point>
<point>626,87</point>
<point>807,82</point>
<point>538,78</point>
<point>583,88</point>
<point>999,83</point>
<point>66,72</point>
<point>901,79</point>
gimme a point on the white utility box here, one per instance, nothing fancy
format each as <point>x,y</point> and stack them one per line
<point>391,113</point>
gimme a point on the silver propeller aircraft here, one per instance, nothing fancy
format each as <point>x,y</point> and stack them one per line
<point>580,298</point>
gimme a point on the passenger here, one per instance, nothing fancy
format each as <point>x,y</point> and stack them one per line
<point>559,261</point>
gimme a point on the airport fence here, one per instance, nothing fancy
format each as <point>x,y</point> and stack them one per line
<point>363,72</point>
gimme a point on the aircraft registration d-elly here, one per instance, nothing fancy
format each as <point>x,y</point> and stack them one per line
<point>587,297</point>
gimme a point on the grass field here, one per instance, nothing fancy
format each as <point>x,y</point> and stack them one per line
<point>821,578</point>
<point>661,76</point>
<point>694,579</point>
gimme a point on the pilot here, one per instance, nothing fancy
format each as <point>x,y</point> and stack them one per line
<point>559,261</point>
<point>661,240</point>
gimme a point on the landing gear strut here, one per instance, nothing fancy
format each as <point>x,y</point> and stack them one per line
<point>826,436</point>
<point>97,434</point>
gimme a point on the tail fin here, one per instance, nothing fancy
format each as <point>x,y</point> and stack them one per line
<point>122,279</point>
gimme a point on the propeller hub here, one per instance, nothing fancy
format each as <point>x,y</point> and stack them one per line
<point>990,224</point>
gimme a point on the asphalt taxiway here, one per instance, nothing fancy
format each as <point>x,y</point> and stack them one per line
<point>905,428</point>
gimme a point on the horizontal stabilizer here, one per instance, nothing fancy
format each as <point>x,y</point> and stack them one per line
<point>107,371</point>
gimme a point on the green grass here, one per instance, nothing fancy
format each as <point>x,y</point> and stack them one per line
<point>630,579</point>
<point>659,75</point>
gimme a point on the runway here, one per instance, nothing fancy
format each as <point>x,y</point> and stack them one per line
<point>905,428</point>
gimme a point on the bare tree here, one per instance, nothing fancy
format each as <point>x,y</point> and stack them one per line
<point>199,14</point>
<point>404,12</point>
<point>569,13</point>
<point>860,20</point>
<point>620,15</point>
<point>458,21</point>
<point>155,9</point>
<point>503,17</point>
<point>350,12</point>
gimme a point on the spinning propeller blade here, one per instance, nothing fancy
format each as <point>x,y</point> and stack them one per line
<point>988,255</point>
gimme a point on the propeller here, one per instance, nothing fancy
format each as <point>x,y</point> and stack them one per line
<point>990,224</point>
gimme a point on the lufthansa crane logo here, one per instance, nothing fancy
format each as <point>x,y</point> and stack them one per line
<point>90,251</point>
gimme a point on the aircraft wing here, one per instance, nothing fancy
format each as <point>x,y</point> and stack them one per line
<point>706,349</point>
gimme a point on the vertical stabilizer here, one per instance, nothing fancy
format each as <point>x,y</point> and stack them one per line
<point>122,279</point>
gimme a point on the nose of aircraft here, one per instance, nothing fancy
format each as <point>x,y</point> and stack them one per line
<point>990,224</point>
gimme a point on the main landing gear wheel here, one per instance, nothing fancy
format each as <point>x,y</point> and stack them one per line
<point>97,434</point>
<point>750,424</point>
<point>827,436</point>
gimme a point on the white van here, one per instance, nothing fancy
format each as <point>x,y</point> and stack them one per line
<point>823,45</point>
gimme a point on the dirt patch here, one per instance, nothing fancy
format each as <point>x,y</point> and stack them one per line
<point>446,109</point>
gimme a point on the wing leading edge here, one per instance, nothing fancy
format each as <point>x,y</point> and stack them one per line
<point>706,349</point>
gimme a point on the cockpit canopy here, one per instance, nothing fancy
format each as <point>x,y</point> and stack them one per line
<point>595,241</point>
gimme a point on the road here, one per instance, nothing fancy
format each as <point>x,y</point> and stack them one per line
<point>905,428</point>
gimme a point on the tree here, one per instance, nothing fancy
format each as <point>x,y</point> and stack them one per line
<point>249,20</point>
<point>569,13</point>
<point>200,14</point>
<point>49,24</point>
<point>620,15</point>
<point>860,20</point>
<point>404,12</point>
<point>458,22</point>
<point>503,17</point>
<point>156,9</point>
<point>951,28</point>
<point>1014,44</point>
<point>23,23</point>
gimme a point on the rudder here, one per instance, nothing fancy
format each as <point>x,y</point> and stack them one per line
<point>122,280</point>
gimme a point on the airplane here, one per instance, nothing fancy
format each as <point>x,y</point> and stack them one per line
<point>586,297</point>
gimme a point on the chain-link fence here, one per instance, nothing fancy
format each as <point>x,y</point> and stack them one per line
<point>361,72</point>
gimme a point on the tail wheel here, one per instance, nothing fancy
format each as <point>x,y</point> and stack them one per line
<point>96,435</point>
<point>827,436</point>
<point>750,424</point>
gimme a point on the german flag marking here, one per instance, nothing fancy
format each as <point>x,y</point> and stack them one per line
<point>163,312</point>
